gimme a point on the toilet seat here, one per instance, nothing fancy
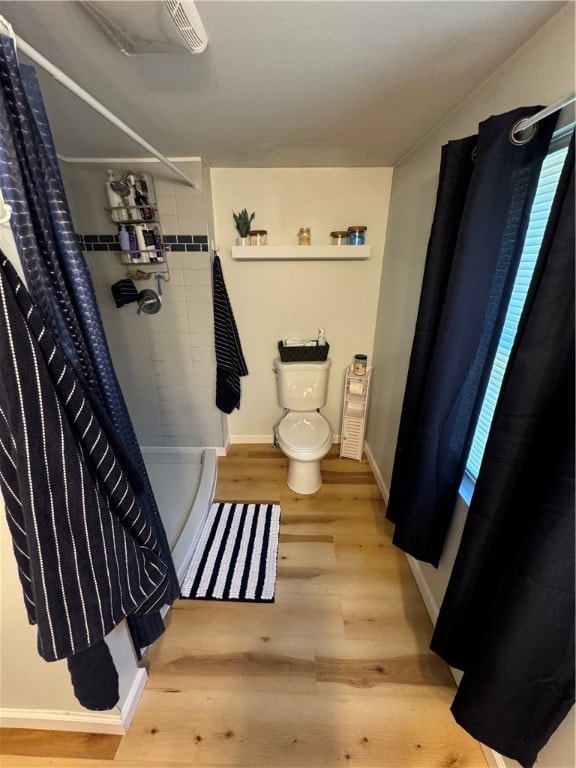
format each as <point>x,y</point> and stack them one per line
<point>304,431</point>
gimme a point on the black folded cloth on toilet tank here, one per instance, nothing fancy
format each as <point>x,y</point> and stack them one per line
<point>124,292</point>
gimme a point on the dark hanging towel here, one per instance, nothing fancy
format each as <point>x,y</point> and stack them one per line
<point>87,557</point>
<point>230,363</point>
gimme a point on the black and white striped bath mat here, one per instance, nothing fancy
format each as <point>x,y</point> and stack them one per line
<point>236,554</point>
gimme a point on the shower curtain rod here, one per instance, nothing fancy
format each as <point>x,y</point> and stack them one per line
<point>67,82</point>
<point>528,122</point>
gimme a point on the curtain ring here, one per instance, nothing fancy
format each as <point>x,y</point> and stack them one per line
<point>520,136</point>
<point>474,154</point>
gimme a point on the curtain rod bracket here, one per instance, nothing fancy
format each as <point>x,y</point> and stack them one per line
<point>528,122</point>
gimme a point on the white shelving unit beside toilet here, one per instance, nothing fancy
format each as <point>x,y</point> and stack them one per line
<point>354,410</point>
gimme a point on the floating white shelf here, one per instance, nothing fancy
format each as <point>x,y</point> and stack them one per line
<point>300,252</point>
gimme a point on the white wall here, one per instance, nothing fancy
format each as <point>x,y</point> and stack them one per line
<point>271,300</point>
<point>541,72</point>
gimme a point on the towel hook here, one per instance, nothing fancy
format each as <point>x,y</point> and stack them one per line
<point>5,209</point>
<point>6,213</point>
<point>6,29</point>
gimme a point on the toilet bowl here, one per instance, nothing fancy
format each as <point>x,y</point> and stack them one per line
<point>303,434</point>
<point>304,438</point>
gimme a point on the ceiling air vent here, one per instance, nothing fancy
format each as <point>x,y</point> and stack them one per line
<point>189,24</point>
<point>146,26</point>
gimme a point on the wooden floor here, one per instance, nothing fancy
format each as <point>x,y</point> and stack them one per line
<point>335,672</point>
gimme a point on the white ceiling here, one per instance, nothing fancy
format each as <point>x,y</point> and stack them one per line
<point>284,83</point>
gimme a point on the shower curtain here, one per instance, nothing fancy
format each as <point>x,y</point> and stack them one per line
<point>507,619</point>
<point>486,188</point>
<point>61,286</point>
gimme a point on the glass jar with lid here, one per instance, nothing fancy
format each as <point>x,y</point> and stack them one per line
<point>304,236</point>
<point>258,237</point>
<point>357,235</point>
<point>339,237</point>
<point>359,366</point>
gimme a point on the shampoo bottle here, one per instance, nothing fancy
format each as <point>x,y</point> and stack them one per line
<point>158,243</point>
<point>130,199</point>
<point>142,245</point>
<point>134,253</point>
<point>145,212</point>
<point>123,238</point>
<point>145,182</point>
<point>115,201</point>
<point>150,243</point>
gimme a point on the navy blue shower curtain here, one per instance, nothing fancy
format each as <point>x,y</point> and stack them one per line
<point>487,185</point>
<point>507,619</point>
<point>59,281</point>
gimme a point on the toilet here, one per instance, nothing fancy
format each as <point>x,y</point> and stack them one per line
<point>303,434</point>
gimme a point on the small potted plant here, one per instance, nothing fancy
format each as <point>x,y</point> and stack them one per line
<point>243,221</point>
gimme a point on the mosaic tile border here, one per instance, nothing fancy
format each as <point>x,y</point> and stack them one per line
<point>173,243</point>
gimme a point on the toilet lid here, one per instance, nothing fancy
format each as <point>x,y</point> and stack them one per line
<point>304,431</point>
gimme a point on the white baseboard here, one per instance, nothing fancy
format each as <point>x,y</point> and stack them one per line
<point>224,451</point>
<point>429,600</point>
<point>377,474</point>
<point>128,709</point>
<point>47,720</point>
<point>493,759</point>
<point>256,439</point>
<point>115,722</point>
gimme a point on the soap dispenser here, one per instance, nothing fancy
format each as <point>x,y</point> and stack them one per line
<point>321,337</point>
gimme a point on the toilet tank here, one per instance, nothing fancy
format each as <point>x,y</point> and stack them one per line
<point>301,386</point>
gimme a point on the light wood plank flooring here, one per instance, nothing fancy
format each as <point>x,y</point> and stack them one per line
<point>335,672</point>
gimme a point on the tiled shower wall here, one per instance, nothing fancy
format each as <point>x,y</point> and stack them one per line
<point>165,363</point>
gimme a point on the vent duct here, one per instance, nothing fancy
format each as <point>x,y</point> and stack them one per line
<point>139,27</point>
<point>188,22</point>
